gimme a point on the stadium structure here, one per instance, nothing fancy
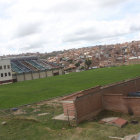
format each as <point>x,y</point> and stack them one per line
<point>27,68</point>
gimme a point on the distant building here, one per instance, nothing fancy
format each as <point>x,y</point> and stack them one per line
<point>16,69</point>
<point>134,60</point>
<point>5,71</point>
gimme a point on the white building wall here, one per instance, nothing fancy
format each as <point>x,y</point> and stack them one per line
<point>5,70</point>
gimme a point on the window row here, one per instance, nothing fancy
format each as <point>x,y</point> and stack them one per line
<point>5,67</point>
<point>5,74</point>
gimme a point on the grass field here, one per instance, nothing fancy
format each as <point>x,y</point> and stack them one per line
<point>31,126</point>
<point>26,92</point>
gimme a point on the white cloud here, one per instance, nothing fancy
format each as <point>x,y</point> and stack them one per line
<point>46,25</point>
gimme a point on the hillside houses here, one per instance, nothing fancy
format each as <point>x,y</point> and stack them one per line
<point>101,56</point>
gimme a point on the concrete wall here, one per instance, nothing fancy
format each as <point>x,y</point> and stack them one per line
<point>28,76</point>
<point>20,77</point>
<point>36,75</point>
<point>43,74</point>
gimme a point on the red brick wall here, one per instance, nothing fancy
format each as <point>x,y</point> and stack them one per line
<point>91,90</point>
<point>122,104</point>
<point>133,105</point>
<point>114,102</point>
<point>122,87</point>
<point>114,97</point>
<point>81,93</point>
<point>88,106</point>
<point>88,103</point>
<point>69,109</point>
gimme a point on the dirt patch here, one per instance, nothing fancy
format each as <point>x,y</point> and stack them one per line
<point>43,114</point>
<point>19,112</point>
<point>31,119</point>
<point>79,130</point>
<point>55,101</point>
<point>36,110</point>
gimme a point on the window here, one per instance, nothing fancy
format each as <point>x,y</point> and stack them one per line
<point>9,73</point>
<point>0,67</point>
<point>5,74</point>
<point>8,66</point>
<point>1,74</point>
<point>4,66</point>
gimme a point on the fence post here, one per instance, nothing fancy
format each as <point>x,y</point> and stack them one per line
<point>68,117</point>
<point>76,120</point>
<point>135,85</point>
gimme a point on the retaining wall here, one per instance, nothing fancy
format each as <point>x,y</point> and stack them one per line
<point>124,87</point>
<point>120,103</point>
<point>83,105</point>
<point>86,104</point>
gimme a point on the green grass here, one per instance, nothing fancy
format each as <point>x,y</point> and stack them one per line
<point>30,126</point>
<point>26,92</point>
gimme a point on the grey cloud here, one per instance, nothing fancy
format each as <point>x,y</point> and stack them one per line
<point>27,29</point>
<point>32,46</point>
<point>92,34</point>
<point>112,2</point>
<point>66,7</point>
<point>135,28</point>
<point>90,37</point>
<point>72,6</point>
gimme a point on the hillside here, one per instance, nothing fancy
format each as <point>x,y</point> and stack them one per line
<point>41,89</point>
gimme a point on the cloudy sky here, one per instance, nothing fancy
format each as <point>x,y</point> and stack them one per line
<point>49,25</point>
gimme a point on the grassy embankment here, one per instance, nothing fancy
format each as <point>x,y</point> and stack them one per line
<point>26,92</point>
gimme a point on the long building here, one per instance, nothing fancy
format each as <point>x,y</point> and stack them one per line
<point>27,68</point>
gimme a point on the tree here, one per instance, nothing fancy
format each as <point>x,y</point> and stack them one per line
<point>82,68</point>
<point>88,62</point>
<point>70,61</point>
<point>77,64</point>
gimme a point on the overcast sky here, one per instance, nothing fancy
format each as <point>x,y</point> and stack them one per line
<point>49,25</point>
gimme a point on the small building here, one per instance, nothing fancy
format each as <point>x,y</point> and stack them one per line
<point>134,60</point>
<point>5,71</point>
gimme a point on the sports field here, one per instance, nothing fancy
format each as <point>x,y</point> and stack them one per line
<point>26,92</point>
